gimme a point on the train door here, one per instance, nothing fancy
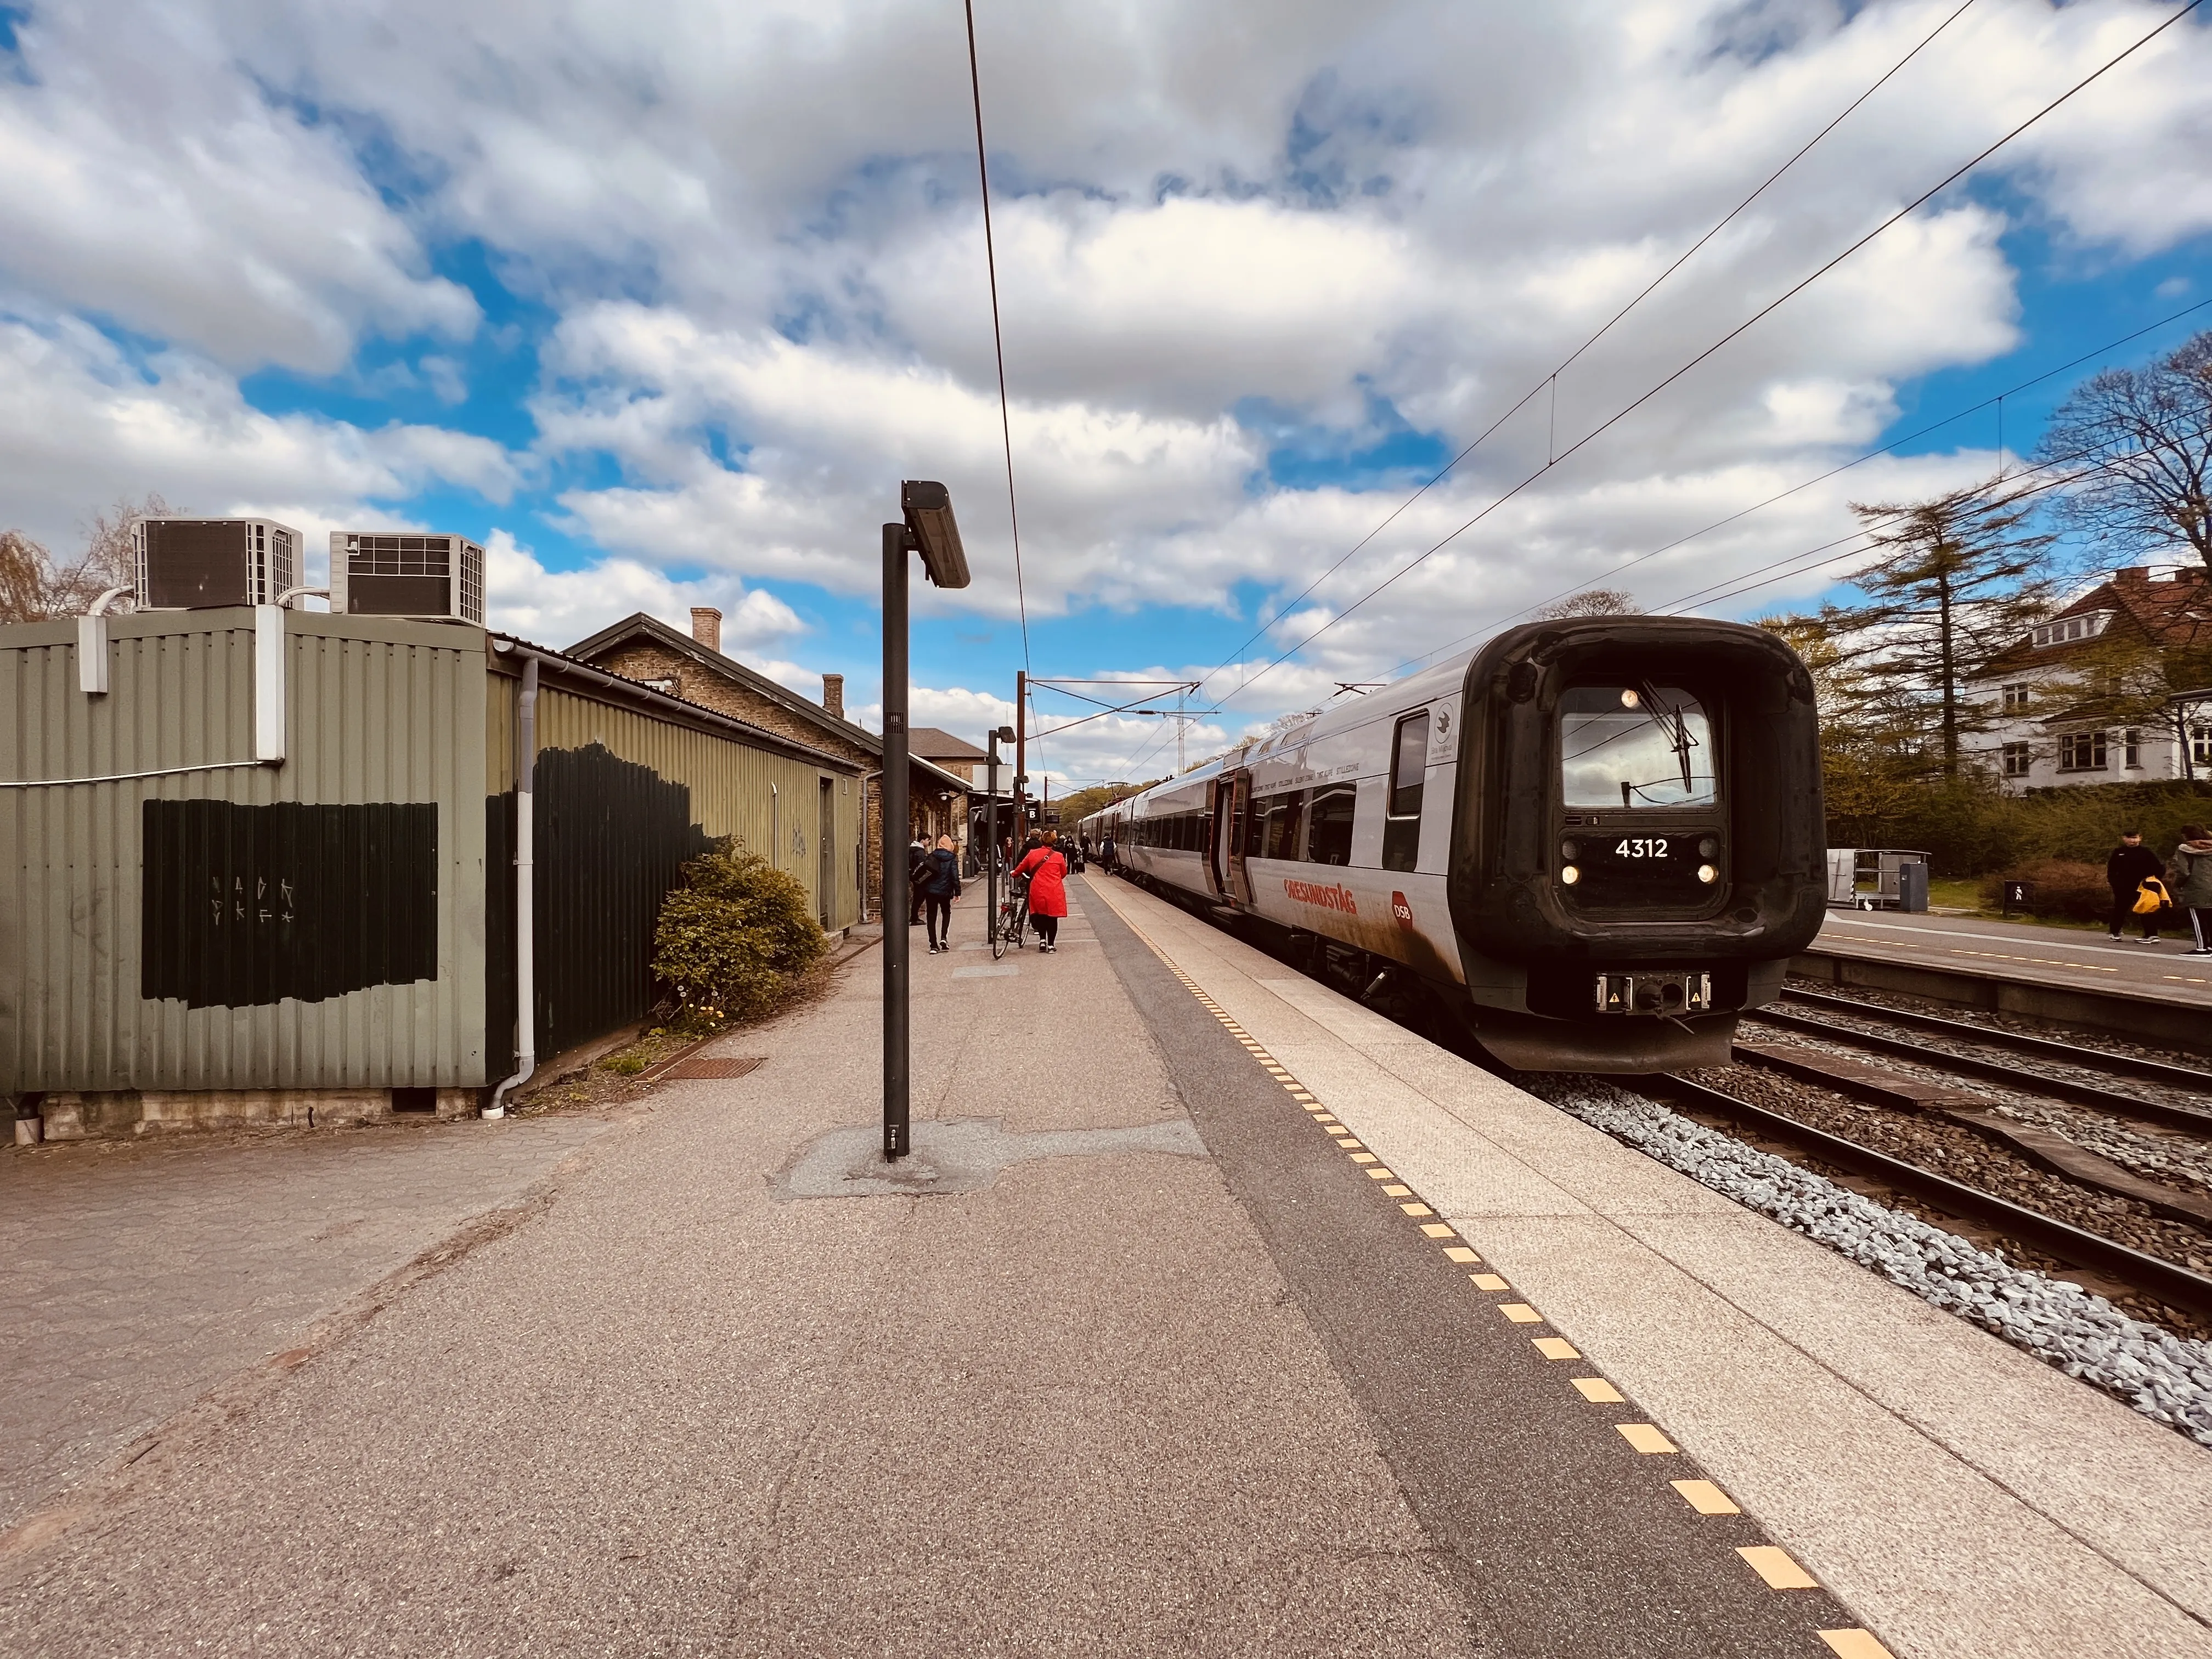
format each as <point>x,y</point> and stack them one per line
<point>1232,805</point>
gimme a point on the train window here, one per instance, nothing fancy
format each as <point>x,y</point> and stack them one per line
<point>1329,839</point>
<point>1409,764</point>
<point>1635,745</point>
<point>1285,818</point>
<point>1409,761</point>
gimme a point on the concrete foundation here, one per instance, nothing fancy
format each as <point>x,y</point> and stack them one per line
<point>123,1112</point>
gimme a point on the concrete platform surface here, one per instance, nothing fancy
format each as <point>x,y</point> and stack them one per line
<point>1963,1499</point>
<point>2085,959</point>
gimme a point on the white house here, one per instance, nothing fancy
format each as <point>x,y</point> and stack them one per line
<point>2038,741</point>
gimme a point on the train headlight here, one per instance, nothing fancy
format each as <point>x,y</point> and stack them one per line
<point>1708,874</point>
<point>1570,875</point>
<point>1629,700</point>
<point>1569,851</point>
<point>1708,847</point>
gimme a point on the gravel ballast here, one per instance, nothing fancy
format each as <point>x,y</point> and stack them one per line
<point>2164,1376</point>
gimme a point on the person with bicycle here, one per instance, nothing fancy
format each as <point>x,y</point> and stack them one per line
<point>1046,871</point>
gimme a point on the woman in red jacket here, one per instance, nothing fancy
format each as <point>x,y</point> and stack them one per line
<point>1047,873</point>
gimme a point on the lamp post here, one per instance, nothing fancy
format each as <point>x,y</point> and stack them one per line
<point>1004,734</point>
<point>927,528</point>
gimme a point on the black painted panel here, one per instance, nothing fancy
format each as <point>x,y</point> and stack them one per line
<point>612,837</point>
<point>248,905</point>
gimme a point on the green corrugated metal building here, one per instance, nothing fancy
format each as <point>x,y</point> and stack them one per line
<point>268,871</point>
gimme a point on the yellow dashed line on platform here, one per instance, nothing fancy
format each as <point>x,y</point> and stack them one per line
<point>1777,1567</point>
<point>1854,1644</point>
<point>1705,1497</point>
<point>1773,1565</point>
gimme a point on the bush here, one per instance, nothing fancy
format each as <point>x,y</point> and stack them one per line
<point>1971,829</point>
<point>2056,887</point>
<point>735,939</point>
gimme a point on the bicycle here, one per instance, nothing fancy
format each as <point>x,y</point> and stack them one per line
<point>1013,914</point>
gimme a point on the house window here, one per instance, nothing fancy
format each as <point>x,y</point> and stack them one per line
<point>2134,739</point>
<point>2015,699</point>
<point>2081,751</point>
<point>2200,744</point>
<point>2067,629</point>
<point>2016,760</point>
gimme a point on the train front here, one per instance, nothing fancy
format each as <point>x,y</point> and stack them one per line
<point>1638,847</point>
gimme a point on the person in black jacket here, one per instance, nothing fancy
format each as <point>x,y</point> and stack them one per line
<point>2130,863</point>
<point>939,884</point>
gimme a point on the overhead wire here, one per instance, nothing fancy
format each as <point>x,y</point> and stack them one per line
<point>1551,381</point>
<point>1956,416</point>
<point>1739,330</point>
<point>998,335</point>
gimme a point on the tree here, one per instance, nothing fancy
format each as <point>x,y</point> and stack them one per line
<point>1594,602</point>
<point>34,585</point>
<point>2146,434</point>
<point>1959,579</point>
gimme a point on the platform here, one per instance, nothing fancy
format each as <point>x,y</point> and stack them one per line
<point>2084,959</point>
<point>1136,1356</point>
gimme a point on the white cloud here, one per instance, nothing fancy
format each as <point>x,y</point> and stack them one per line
<point>559,607</point>
<point>755,228</point>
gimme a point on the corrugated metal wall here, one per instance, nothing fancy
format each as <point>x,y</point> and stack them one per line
<point>770,802</point>
<point>376,711</point>
<point>625,796</point>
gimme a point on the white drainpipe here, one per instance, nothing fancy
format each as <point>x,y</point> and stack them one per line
<point>526,943</point>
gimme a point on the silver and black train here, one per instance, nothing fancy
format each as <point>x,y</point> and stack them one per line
<point>1591,843</point>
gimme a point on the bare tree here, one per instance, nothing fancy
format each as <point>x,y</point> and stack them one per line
<point>2147,432</point>
<point>1595,602</point>
<point>34,585</point>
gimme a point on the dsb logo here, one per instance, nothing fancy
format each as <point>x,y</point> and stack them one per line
<point>1402,910</point>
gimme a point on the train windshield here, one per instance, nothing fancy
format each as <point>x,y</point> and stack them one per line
<point>1634,746</point>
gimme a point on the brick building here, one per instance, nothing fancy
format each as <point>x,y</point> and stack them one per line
<point>693,667</point>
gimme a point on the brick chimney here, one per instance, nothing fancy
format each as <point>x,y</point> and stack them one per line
<point>833,694</point>
<point>707,626</point>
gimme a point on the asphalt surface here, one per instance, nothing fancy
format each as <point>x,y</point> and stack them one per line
<point>2082,957</point>
<point>685,1409</point>
<point>1560,1543</point>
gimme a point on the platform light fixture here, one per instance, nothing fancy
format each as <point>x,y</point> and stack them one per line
<point>926,526</point>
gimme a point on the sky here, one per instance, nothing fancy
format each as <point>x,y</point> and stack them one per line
<point>661,299</point>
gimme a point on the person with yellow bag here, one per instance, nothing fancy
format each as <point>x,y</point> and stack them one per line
<point>2133,873</point>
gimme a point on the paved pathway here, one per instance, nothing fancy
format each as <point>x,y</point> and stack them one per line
<point>141,1274</point>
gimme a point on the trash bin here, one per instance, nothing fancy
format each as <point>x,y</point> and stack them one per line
<point>1912,888</point>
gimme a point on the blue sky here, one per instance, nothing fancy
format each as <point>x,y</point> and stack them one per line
<point>661,301</point>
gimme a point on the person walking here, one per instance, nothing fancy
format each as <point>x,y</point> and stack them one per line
<point>917,858</point>
<point>940,884</point>
<point>2130,865</point>
<point>2190,878</point>
<point>1048,877</point>
<point>1107,851</point>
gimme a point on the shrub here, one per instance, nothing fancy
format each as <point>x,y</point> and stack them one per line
<point>735,939</point>
<point>2056,887</point>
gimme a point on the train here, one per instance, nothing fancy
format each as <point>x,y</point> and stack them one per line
<point>1588,844</point>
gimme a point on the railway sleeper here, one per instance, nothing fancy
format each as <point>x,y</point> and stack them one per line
<point>2041,1147</point>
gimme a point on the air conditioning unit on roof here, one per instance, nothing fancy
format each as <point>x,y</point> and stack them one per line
<point>376,573</point>
<point>190,564</point>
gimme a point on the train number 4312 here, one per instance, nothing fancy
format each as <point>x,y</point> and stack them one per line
<point>1642,848</point>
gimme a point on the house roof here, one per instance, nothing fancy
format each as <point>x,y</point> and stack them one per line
<point>941,745</point>
<point>2173,610</point>
<point>640,627</point>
